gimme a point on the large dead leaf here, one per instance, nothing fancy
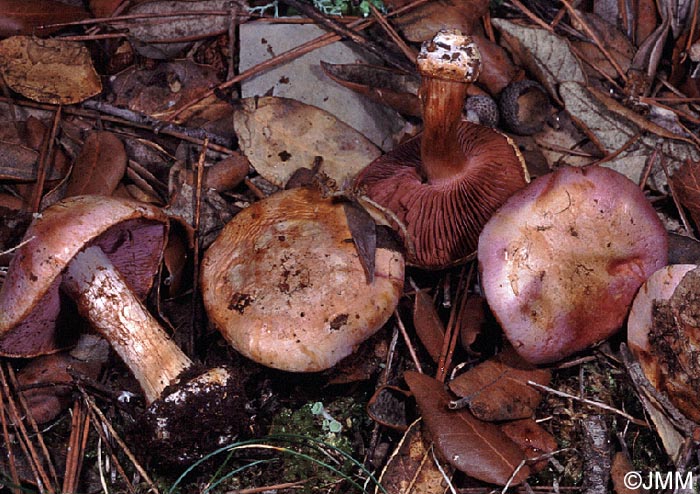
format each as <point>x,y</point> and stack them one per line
<point>547,56</point>
<point>617,44</point>
<point>99,167</point>
<point>613,126</point>
<point>421,23</point>
<point>479,449</point>
<point>162,91</point>
<point>48,70</point>
<point>686,182</point>
<point>497,388</point>
<point>428,324</point>
<point>280,135</point>
<point>168,21</point>
<point>389,87</point>
<point>26,17</point>
<point>411,469</point>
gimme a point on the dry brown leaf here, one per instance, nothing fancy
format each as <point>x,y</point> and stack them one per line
<point>497,388</point>
<point>280,135</point>
<point>428,324</point>
<point>545,55</point>
<point>622,466</point>
<point>532,438</point>
<point>26,17</point>
<point>411,469</point>
<point>162,91</point>
<point>151,34</point>
<point>387,406</point>
<point>617,44</point>
<point>686,183</point>
<point>497,69</point>
<point>99,167</point>
<point>612,127</point>
<point>48,70</point>
<point>422,22</point>
<point>386,86</point>
<point>479,449</point>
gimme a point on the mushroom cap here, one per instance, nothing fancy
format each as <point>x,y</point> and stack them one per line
<point>450,55</point>
<point>443,220</point>
<point>131,233</point>
<point>563,258</point>
<point>284,284</point>
<point>660,286</point>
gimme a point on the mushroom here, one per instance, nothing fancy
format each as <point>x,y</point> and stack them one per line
<point>285,286</point>
<point>563,258</point>
<point>443,185</point>
<point>662,333</point>
<point>103,253</point>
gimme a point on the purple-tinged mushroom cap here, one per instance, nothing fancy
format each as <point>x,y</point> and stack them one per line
<point>131,233</point>
<point>563,258</point>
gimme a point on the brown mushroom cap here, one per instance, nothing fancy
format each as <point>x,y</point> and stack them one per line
<point>131,233</point>
<point>285,286</point>
<point>563,258</point>
<point>443,219</point>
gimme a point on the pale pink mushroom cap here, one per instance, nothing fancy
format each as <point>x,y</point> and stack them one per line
<point>660,286</point>
<point>563,258</point>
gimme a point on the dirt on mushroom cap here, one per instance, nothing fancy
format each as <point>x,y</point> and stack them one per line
<point>563,258</point>
<point>284,284</point>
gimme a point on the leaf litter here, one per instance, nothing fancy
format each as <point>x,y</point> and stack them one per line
<point>171,130</point>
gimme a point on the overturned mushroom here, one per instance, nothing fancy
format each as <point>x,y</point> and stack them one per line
<point>444,184</point>
<point>103,253</point>
<point>662,333</point>
<point>284,284</point>
<point>562,259</point>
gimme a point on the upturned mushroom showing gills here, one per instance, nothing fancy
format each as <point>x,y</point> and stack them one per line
<point>443,185</point>
<point>285,286</point>
<point>103,253</point>
<point>563,258</point>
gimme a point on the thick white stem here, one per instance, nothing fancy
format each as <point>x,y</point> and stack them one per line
<point>104,299</point>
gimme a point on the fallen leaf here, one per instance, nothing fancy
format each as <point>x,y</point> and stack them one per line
<point>156,35</point>
<point>617,44</point>
<point>364,235</point>
<point>621,467</point>
<point>162,91</point>
<point>547,56</point>
<point>387,406</point>
<point>421,23</point>
<point>686,183</point>
<point>389,87</point>
<point>99,167</point>
<point>48,70</point>
<point>479,449</point>
<point>497,388</point>
<point>428,324</point>
<point>411,469</point>
<point>280,135</point>
<point>613,126</point>
<point>532,438</point>
<point>497,69</point>
<point>27,17</point>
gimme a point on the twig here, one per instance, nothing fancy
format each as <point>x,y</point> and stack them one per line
<point>345,32</point>
<point>197,214</point>
<point>595,39</point>
<point>100,420</point>
<point>408,52</point>
<point>303,49</point>
<point>598,404</point>
<point>45,161</point>
<point>407,340</point>
<point>674,196</point>
<point>16,488</point>
<point>76,447</point>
